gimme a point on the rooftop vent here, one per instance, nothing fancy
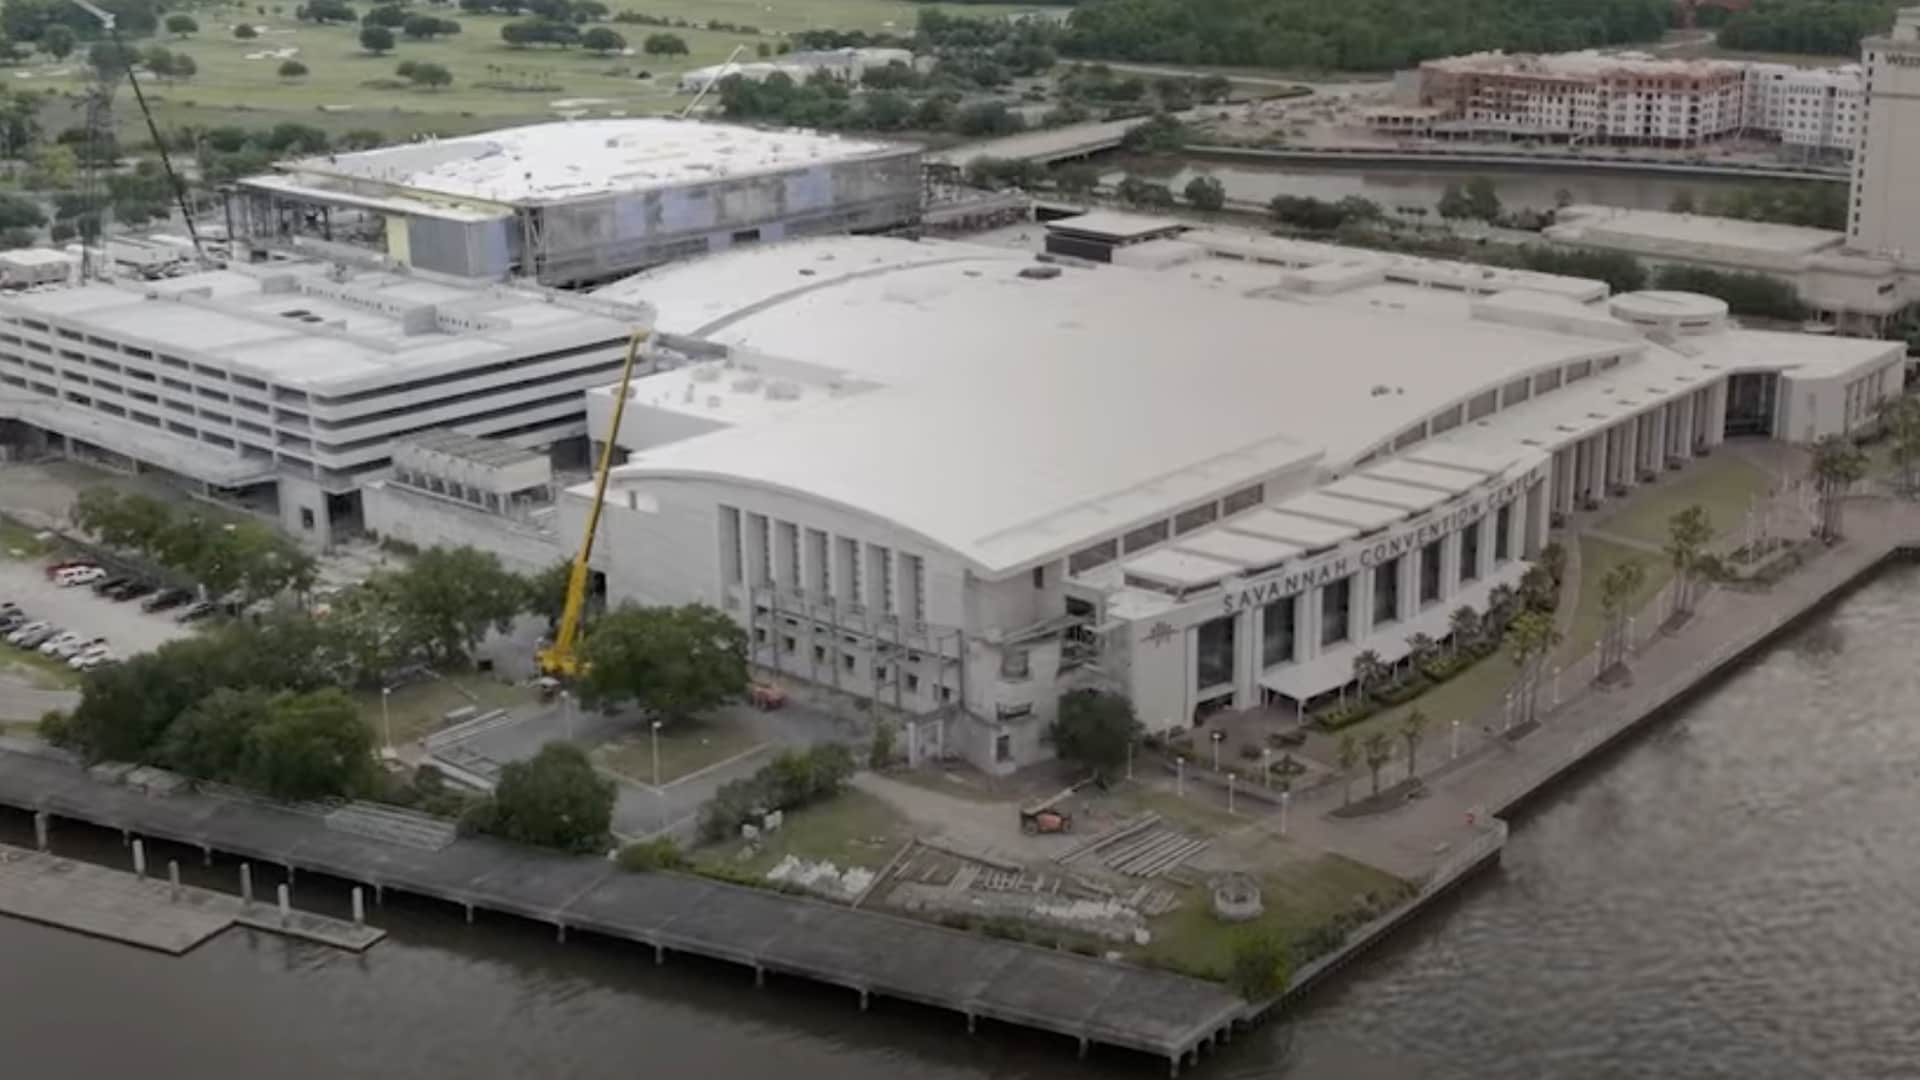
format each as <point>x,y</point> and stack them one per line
<point>1039,273</point>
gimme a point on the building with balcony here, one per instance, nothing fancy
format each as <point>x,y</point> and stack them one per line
<point>960,481</point>
<point>293,381</point>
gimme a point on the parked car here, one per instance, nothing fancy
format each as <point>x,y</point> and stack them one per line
<point>56,641</point>
<point>89,657</point>
<point>33,639</point>
<point>54,568</point>
<point>78,575</point>
<point>106,583</point>
<point>194,612</point>
<point>96,661</point>
<point>133,590</point>
<point>19,633</point>
<point>68,650</point>
<point>166,599</point>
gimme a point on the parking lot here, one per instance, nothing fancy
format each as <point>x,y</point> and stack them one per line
<point>127,629</point>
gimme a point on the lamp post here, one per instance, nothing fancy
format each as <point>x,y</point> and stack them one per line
<point>386,716</point>
<point>1266,767</point>
<point>1180,776</point>
<point>1218,738</point>
<point>1456,736</point>
<point>1286,797</point>
<point>1129,758</point>
<point>566,712</point>
<point>1230,779</point>
<point>656,754</point>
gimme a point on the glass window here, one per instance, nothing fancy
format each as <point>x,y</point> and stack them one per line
<point>1470,551</point>
<point>1188,520</point>
<point>1144,536</point>
<point>1386,592</point>
<point>1215,641</point>
<point>1502,524</point>
<point>1336,602</point>
<point>1430,573</point>
<point>1244,499</point>
<point>1276,632</point>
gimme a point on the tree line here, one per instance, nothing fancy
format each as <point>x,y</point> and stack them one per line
<point>1825,27</point>
<point>1818,206</point>
<point>1369,35</point>
<point>246,557</point>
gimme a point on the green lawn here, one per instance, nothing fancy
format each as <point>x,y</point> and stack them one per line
<point>1597,557</point>
<point>851,829</point>
<point>23,729</point>
<point>418,709</point>
<point>237,81</point>
<point>1298,898</point>
<point>685,747</point>
<point>37,671</point>
<point>1725,485</point>
<point>18,542</point>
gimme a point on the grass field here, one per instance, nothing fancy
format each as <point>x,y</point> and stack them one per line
<point>418,709</point>
<point>851,829</point>
<point>1298,898</point>
<point>685,747</point>
<point>19,542</point>
<point>237,81</point>
<point>1725,486</point>
<point>28,667</point>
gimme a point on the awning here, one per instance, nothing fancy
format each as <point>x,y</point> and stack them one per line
<point>1333,668</point>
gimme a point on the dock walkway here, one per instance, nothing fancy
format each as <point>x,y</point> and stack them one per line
<point>1087,999</point>
<point>153,914</point>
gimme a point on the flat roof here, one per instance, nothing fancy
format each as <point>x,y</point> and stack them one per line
<point>1037,383</point>
<point>1320,505</point>
<point>570,159</point>
<point>1235,547</point>
<point>322,326</point>
<point>1368,488</point>
<point>1179,568</point>
<point>1115,225</point>
<point>490,453</point>
<point>1307,534</point>
<point>1588,223</point>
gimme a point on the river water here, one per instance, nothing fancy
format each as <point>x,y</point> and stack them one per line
<point>1394,188</point>
<point>1730,896</point>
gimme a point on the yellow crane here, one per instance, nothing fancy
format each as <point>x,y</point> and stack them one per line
<point>559,660</point>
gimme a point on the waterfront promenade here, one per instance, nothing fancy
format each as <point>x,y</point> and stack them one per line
<point>1087,999</point>
<point>1496,775</point>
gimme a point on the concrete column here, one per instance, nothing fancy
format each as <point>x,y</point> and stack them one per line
<point>1449,566</point>
<point>786,572</point>
<point>1717,415</point>
<point>1409,585</point>
<point>173,880</point>
<point>1683,424</point>
<point>286,905</point>
<point>246,886</point>
<point>41,823</point>
<point>359,907</point>
<point>1306,628</point>
<point>139,858</point>
<point>1485,529</point>
<point>1246,661</point>
<point>754,533</point>
<point>1630,456</point>
<point>1662,435</point>
<point>1360,613</point>
<point>1562,477</point>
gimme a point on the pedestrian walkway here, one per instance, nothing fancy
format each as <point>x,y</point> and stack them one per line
<point>1491,774</point>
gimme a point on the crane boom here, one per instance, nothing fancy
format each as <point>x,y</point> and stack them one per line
<point>107,23</point>
<point>559,659</point>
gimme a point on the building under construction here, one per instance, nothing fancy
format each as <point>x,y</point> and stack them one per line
<point>575,202</point>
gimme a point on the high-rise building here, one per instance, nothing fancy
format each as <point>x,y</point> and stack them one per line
<point>1885,211</point>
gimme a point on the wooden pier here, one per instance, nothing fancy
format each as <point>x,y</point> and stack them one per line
<point>1086,999</point>
<point>163,914</point>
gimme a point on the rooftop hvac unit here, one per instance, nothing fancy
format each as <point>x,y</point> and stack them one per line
<point>748,385</point>
<point>782,390</point>
<point>706,373</point>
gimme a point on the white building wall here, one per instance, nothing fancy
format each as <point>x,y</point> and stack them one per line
<point>1885,213</point>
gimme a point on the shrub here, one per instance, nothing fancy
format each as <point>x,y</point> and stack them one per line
<point>1259,967</point>
<point>1441,668</point>
<point>645,855</point>
<point>1344,716</point>
<point>1249,751</point>
<point>790,781</point>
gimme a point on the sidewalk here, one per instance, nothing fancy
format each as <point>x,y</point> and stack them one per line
<point>1493,774</point>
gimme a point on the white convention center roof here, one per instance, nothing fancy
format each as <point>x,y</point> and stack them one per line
<point>1022,414</point>
<point>550,162</point>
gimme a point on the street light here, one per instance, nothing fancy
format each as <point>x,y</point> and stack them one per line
<point>1230,779</point>
<point>1218,738</point>
<point>1286,797</point>
<point>1456,736</point>
<point>1180,776</point>
<point>1266,767</point>
<point>656,754</point>
<point>566,711</point>
<point>1129,757</point>
<point>386,715</point>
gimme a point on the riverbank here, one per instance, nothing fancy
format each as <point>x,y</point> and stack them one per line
<point>1471,160</point>
<point>1086,999</point>
<point>1460,822</point>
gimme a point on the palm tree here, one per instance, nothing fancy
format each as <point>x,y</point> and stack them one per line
<point>1378,750</point>
<point>1499,609</point>
<point>1367,667</point>
<point>1687,534</point>
<point>1530,641</point>
<point>1347,755</point>
<point>1465,625</point>
<point>1900,418</point>
<point>1837,464</point>
<point>1413,728</point>
<point>1617,587</point>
